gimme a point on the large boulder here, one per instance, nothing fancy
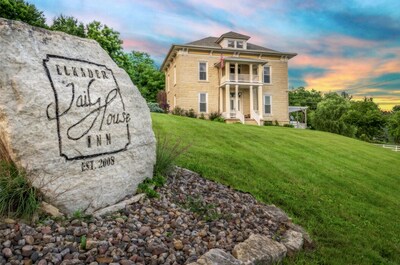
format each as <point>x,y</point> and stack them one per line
<point>72,118</point>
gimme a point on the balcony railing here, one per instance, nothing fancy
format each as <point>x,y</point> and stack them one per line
<point>242,78</point>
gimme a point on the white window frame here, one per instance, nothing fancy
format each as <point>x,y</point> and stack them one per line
<point>174,75</point>
<point>270,104</point>
<point>199,97</point>
<point>238,45</point>
<point>233,41</point>
<point>201,80</point>
<point>270,74</point>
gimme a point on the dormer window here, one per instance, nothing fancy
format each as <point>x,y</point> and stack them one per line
<point>239,44</point>
<point>231,43</point>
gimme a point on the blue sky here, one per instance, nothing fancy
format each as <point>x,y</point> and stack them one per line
<point>342,45</point>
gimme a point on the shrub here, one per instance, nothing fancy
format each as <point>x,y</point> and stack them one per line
<point>214,115</point>
<point>190,113</point>
<point>202,117</point>
<point>154,107</point>
<point>166,153</point>
<point>268,123</point>
<point>219,119</point>
<point>276,123</point>
<point>162,100</point>
<point>288,125</point>
<point>178,111</point>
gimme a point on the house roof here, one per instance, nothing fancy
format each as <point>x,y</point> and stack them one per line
<point>232,35</point>
<point>212,43</point>
<point>296,108</point>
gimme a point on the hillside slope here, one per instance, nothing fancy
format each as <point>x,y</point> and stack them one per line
<point>345,192</point>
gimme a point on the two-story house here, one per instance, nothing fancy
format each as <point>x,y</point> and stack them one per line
<point>227,74</point>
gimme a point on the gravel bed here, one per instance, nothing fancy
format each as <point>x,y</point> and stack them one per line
<point>192,216</point>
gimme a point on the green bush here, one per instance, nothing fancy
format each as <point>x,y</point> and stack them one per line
<point>288,125</point>
<point>214,115</point>
<point>276,123</point>
<point>202,117</point>
<point>178,111</point>
<point>219,119</point>
<point>18,198</point>
<point>154,107</point>
<point>268,123</point>
<point>190,113</point>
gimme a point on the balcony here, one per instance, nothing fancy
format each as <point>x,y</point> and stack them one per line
<point>242,78</point>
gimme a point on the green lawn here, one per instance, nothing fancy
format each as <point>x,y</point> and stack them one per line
<point>345,192</point>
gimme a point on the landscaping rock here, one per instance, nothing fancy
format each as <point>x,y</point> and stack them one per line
<point>216,257</point>
<point>72,117</point>
<point>258,249</point>
<point>50,210</point>
<point>293,241</point>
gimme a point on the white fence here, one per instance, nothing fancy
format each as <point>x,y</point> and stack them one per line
<point>395,148</point>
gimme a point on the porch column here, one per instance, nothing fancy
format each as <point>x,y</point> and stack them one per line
<point>260,102</point>
<point>251,73</point>
<point>236,97</point>
<point>260,73</point>
<point>227,99</point>
<point>221,102</point>
<point>227,73</point>
<point>236,72</point>
<point>251,99</point>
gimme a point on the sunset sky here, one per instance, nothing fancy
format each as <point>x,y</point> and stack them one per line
<point>351,46</point>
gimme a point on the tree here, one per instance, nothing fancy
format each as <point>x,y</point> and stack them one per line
<point>303,97</point>
<point>69,25</point>
<point>396,108</point>
<point>22,11</point>
<point>394,126</point>
<point>330,115</point>
<point>108,39</point>
<point>145,75</point>
<point>368,119</point>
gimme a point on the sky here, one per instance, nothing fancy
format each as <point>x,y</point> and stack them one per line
<point>351,45</point>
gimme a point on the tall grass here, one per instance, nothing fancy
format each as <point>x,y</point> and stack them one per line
<point>18,198</point>
<point>168,150</point>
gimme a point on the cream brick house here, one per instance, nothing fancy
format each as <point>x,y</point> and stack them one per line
<point>228,74</point>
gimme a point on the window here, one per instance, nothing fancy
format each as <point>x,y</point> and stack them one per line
<point>231,44</point>
<point>175,75</point>
<point>267,74</point>
<point>239,44</point>
<point>202,71</point>
<point>267,104</point>
<point>203,98</point>
<point>167,83</point>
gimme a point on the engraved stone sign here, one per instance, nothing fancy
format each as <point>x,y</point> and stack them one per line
<point>72,118</point>
<point>93,109</point>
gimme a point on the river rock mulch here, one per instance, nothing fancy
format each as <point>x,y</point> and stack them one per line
<point>192,216</point>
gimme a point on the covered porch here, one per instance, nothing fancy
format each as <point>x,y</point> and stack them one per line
<point>240,90</point>
<point>241,102</point>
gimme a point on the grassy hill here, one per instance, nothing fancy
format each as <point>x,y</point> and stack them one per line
<point>345,192</point>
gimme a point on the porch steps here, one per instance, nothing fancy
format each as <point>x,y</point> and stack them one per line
<point>232,120</point>
<point>250,121</point>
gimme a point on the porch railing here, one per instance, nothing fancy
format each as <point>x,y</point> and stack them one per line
<point>240,116</point>
<point>254,115</point>
<point>242,78</point>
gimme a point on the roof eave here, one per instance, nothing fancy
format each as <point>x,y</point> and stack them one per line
<point>175,46</point>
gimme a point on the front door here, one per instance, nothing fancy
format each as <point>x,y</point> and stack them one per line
<point>233,104</point>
